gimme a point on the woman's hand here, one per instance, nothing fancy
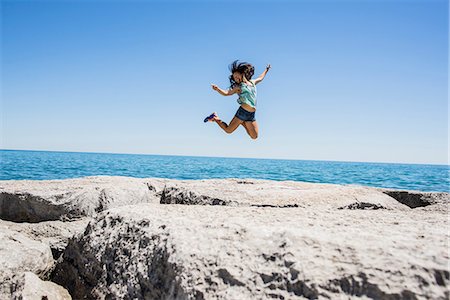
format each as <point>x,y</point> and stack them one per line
<point>214,87</point>
<point>268,67</point>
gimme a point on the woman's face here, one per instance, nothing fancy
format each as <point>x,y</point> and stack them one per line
<point>237,77</point>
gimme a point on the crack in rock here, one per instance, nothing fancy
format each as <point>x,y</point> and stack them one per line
<point>176,195</point>
<point>275,206</point>
<point>133,266</point>
<point>24,207</point>
<point>360,286</point>
<point>228,278</point>
<point>362,205</point>
<point>244,182</point>
<point>414,200</point>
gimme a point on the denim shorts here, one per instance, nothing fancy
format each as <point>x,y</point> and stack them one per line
<point>245,115</point>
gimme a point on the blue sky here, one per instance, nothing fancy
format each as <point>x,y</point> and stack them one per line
<point>350,80</point>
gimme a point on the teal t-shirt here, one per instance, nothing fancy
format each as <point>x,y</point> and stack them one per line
<point>248,94</point>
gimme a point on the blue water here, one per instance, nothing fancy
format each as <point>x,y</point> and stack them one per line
<point>19,164</point>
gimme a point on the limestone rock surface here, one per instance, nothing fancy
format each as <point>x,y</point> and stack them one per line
<point>113,237</point>
<point>269,193</point>
<point>150,251</point>
<point>55,234</point>
<point>28,286</point>
<point>47,200</point>
<point>19,253</point>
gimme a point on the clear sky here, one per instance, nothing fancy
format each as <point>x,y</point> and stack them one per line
<point>350,80</point>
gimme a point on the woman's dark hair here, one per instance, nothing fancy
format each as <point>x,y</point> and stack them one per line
<point>243,68</point>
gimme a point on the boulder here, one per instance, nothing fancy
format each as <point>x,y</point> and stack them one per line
<point>150,251</point>
<point>19,253</point>
<point>48,200</point>
<point>415,199</point>
<point>28,286</point>
<point>269,193</point>
<point>230,238</point>
<point>55,234</point>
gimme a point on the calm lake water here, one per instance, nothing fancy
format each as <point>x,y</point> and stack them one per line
<point>20,164</point>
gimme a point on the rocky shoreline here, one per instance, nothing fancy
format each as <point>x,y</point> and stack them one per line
<point>112,237</point>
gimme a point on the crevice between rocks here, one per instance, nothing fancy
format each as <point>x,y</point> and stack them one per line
<point>177,195</point>
<point>275,206</point>
<point>91,269</point>
<point>359,286</point>
<point>362,205</point>
<point>419,199</point>
<point>24,207</point>
<point>174,195</point>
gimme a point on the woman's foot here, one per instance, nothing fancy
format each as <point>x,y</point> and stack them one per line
<point>215,118</point>
<point>211,118</point>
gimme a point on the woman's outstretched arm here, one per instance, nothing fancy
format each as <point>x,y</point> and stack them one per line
<point>223,92</point>
<point>261,77</point>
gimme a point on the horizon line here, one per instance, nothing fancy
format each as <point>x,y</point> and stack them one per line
<point>262,158</point>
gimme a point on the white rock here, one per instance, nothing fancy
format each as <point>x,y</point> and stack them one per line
<point>150,251</point>
<point>244,239</point>
<point>55,234</point>
<point>252,192</point>
<point>46,200</point>
<point>28,286</point>
<point>18,254</point>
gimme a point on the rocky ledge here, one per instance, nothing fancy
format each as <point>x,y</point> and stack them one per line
<point>108,237</point>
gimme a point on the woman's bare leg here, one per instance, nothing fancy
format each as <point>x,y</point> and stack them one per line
<point>252,128</point>
<point>235,122</point>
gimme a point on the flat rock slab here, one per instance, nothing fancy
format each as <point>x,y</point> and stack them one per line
<point>232,238</point>
<point>69,199</point>
<point>48,200</point>
<point>415,199</point>
<point>151,251</point>
<point>28,286</point>
<point>19,253</point>
<point>28,248</point>
<point>55,234</point>
<point>269,193</point>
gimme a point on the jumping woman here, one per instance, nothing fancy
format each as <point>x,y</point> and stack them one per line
<point>241,83</point>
